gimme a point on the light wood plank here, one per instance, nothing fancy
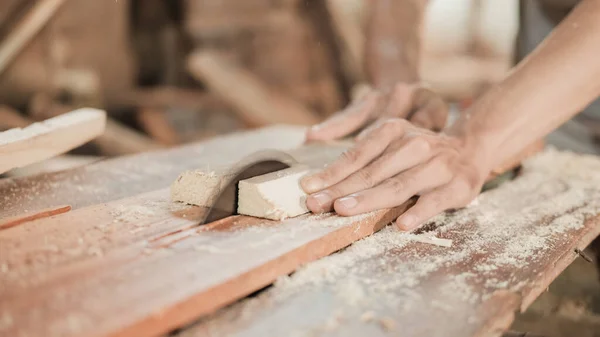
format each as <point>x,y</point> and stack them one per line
<point>40,141</point>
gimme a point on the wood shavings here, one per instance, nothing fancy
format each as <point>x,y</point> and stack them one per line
<point>432,240</point>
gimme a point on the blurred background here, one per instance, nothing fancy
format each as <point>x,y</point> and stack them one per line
<point>171,72</point>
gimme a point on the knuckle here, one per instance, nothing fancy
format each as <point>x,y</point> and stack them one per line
<point>365,177</point>
<point>438,200</point>
<point>420,144</point>
<point>393,126</point>
<point>396,185</point>
<point>350,156</point>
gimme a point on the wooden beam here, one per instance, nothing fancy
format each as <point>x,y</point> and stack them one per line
<point>26,29</point>
<point>40,141</point>
<point>254,103</point>
<point>10,118</point>
<point>117,139</point>
<point>156,124</point>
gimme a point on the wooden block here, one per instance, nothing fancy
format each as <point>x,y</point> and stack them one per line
<point>201,186</point>
<point>276,196</point>
<point>40,141</point>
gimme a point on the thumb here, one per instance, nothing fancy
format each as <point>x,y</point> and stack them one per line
<point>345,122</point>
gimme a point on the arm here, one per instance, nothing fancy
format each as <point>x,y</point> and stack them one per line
<point>395,160</point>
<point>550,86</point>
<point>392,54</point>
<point>393,44</point>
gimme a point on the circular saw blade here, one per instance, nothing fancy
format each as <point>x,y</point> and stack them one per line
<point>256,164</point>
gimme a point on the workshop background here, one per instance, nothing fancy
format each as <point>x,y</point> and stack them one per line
<point>173,72</point>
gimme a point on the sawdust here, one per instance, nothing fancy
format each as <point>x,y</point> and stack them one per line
<point>500,242</point>
<point>133,213</point>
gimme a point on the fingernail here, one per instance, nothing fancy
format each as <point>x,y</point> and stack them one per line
<point>312,184</point>
<point>406,222</point>
<point>322,198</point>
<point>348,202</point>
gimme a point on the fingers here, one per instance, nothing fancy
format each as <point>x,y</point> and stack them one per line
<point>396,190</point>
<point>365,150</point>
<point>347,121</point>
<point>452,195</point>
<point>431,110</point>
<point>400,101</point>
<point>398,158</point>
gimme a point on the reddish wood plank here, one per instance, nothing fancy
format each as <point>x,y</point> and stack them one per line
<point>508,246</point>
<point>136,267</point>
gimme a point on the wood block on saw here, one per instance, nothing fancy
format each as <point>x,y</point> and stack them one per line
<point>276,196</point>
<point>199,187</point>
<point>54,136</point>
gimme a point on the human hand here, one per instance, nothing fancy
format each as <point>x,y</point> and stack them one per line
<point>413,102</point>
<point>392,161</point>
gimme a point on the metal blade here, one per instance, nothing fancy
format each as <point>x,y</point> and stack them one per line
<point>257,164</point>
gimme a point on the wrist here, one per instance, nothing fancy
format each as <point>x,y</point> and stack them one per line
<point>476,146</point>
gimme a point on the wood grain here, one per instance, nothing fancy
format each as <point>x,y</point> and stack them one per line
<point>138,266</point>
<point>508,247</point>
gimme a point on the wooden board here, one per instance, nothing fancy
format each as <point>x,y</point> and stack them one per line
<point>508,247</point>
<point>40,141</point>
<point>139,266</point>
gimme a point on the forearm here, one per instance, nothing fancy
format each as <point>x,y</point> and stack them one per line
<point>394,41</point>
<point>549,87</point>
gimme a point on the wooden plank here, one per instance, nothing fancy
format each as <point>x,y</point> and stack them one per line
<point>140,266</point>
<point>117,139</point>
<point>93,271</point>
<point>156,124</point>
<point>40,141</point>
<point>10,118</point>
<point>508,247</point>
<point>27,28</point>
<point>256,104</point>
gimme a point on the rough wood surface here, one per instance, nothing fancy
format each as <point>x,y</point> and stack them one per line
<point>507,248</point>
<point>40,141</point>
<point>139,265</point>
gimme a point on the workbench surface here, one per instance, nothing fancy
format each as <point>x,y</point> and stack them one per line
<point>99,270</point>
